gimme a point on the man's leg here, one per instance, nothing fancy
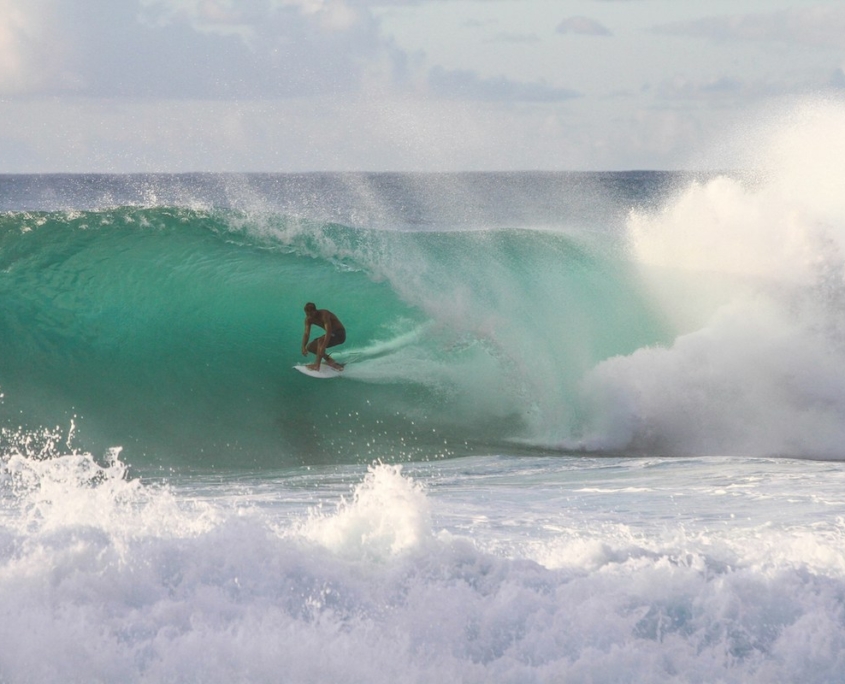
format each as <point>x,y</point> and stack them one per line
<point>312,347</point>
<point>332,342</point>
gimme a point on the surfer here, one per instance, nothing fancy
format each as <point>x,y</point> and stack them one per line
<point>335,334</point>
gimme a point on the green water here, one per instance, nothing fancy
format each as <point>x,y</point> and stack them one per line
<point>172,332</point>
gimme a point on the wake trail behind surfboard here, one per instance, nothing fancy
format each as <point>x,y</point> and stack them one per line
<point>381,348</point>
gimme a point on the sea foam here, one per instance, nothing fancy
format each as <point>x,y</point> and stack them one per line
<point>750,273</point>
<point>111,579</point>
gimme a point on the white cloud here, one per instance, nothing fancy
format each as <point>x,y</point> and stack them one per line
<point>469,85</point>
<point>126,85</point>
<point>198,49</point>
<point>721,89</point>
<point>822,25</point>
<point>32,52</point>
<point>219,50</point>
<point>515,38</point>
<point>583,26</point>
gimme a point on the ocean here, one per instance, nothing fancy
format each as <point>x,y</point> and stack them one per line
<point>591,428</point>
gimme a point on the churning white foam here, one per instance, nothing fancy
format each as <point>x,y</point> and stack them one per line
<point>104,578</point>
<point>750,271</point>
<point>387,515</point>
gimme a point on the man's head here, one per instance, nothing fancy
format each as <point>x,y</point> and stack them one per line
<point>310,308</point>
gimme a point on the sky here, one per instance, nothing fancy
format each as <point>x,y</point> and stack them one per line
<point>401,85</point>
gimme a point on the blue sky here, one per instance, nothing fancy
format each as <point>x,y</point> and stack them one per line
<point>393,85</point>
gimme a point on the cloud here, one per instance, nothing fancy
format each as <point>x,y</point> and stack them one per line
<point>724,89</point>
<point>478,23</point>
<point>175,49</point>
<point>822,25</point>
<point>515,38</point>
<point>31,53</point>
<point>583,26</point>
<point>469,85</point>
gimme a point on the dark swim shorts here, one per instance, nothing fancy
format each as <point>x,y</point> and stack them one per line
<point>338,337</point>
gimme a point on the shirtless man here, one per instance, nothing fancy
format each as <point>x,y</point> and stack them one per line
<point>335,334</point>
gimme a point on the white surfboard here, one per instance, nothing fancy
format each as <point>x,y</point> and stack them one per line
<point>326,371</point>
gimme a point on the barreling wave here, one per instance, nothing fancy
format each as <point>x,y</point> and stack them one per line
<point>171,332</point>
<point>707,322</point>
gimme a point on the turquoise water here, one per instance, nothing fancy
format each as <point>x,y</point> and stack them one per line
<point>172,333</point>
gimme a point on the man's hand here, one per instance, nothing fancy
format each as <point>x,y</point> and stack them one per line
<point>304,351</point>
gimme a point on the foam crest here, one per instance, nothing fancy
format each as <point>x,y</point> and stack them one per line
<point>387,515</point>
<point>49,486</point>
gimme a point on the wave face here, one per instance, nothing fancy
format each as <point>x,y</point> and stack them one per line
<point>171,332</point>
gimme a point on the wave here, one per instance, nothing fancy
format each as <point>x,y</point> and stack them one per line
<point>750,273</point>
<point>171,332</point>
<point>710,324</point>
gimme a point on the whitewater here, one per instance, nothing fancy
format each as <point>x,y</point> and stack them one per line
<point>591,427</point>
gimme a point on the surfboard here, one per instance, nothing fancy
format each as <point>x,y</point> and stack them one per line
<point>326,371</point>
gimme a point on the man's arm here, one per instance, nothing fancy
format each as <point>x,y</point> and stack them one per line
<point>305,337</point>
